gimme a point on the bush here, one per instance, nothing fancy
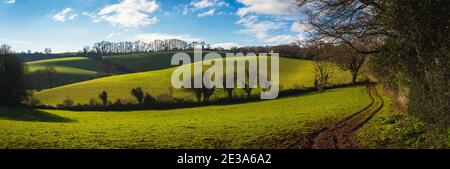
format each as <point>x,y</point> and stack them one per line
<point>425,83</point>
<point>67,103</point>
<point>104,98</point>
<point>149,99</point>
<point>138,94</point>
<point>118,102</point>
<point>32,101</point>
<point>93,103</point>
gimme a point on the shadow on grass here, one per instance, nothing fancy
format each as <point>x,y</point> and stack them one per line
<point>31,115</point>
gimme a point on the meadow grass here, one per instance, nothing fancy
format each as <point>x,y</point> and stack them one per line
<point>293,74</point>
<point>230,126</point>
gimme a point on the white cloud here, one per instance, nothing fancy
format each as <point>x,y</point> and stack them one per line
<point>262,31</point>
<point>10,1</point>
<point>202,4</point>
<point>300,27</point>
<point>65,14</point>
<point>204,7</point>
<point>110,35</point>
<point>207,13</point>
<point>94,17</point>
<point>185,10</point>
<point>72,17</point>
<point>148,37</point>
<point>129,13</point>
<point>268,7</point>
<point>226,45</point>
<point>258,28</point>
<point>284,39</point>
<point>265,19</point>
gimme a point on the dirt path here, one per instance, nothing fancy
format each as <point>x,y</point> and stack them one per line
<point>341,135</point>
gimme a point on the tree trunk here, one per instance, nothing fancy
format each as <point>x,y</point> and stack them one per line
<point>354,77</point>
<point>249,92</point>
<point>230,94</point>
<point>38,86</point>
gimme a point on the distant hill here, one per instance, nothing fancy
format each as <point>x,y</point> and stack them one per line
<point>73,69</point>
<point>39,56</point>
<point>140,62</point>
<point>69,70</point>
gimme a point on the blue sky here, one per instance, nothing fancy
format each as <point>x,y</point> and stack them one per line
<point>68,25</point>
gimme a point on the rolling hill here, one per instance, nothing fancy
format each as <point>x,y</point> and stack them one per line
<point>264,124</point>
<point>293,74</point>
<point>140,62</point>
<point>69,70</point>
<point>77,69</point>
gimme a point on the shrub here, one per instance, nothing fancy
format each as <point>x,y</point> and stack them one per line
<point>93,103</point>
<point>67,103</point>
<point>138,94</point>
<point>32,101</point>
<point>104,98</point>
<point>118,102</point>
<point>148,99</point>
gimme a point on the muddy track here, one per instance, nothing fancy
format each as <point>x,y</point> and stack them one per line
<point>341,135</point>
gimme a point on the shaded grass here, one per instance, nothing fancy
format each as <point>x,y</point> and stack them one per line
<point>30,115</point>
<point>69,70</point>
<point>230,126</point>
<point>149,61</point>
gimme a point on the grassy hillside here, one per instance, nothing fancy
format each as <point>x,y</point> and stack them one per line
<point>69,70</point>
<point>144,61</point>
<point>292,73</point>
<point>202,127</point>
<point>140,62</point>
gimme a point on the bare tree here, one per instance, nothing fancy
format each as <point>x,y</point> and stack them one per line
<point>201,93</point>
<point>349,59</point>
<point>104,98</point>
<point>228,89</point>
<point>247,88</point>
<point>323,72</point>
<point>86,50</point>
<point>347,21</point>
<point>50,72</point>
<point>47,50</point>
<point>38,77</point>
<point>109,48</point>
<point>138,94</point>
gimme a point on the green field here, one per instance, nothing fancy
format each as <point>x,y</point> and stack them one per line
<point>69,70</point>
<point>144,61</point>
<point>141,62</point>
<point>293,73</point>
<point>202,127</point>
